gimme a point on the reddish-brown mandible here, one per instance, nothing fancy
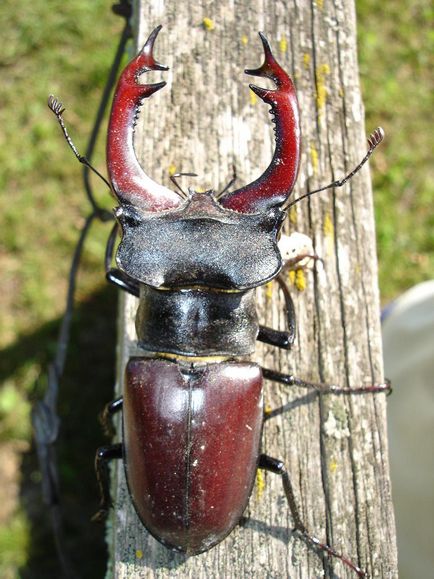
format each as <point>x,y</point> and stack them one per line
<point>131,184</point>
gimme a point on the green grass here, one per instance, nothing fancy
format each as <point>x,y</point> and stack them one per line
<point>51,47</point>
<point>66,48</point>
<point>14,543</point>
<point>396,48</point>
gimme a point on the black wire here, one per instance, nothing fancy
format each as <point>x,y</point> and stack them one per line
<point>45,418</point>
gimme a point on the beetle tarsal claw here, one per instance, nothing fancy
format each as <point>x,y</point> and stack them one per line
<point>100,516</point>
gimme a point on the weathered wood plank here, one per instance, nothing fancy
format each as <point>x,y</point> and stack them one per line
<point>335,448</point>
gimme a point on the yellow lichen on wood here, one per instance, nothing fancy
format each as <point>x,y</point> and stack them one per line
<point>283,45</point>
<point>306,60</point>
<point>297,278</point>
<point>333,466</point>
<point>314,158</point>
<point>139,554</point>
<point>292,215</point>
<point>172,169</point>
<point>244,40</point>
<point>253,98</point>
<point>329,233</point>
<point>260,483</point>
<point>300,280</point>
<point>269,291</point>
<point>328,226</point>
<point>321,92</point>
<point>319,4</point>
<point>208,24</point>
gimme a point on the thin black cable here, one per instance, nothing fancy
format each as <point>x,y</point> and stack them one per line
<point>45,417</point>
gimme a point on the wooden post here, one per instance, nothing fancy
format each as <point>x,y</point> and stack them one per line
<point>335,447</point>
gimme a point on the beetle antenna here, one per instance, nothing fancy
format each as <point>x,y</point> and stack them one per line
<point>58,109</point>
<point>231,182</point>
<point>174,181</point>
<point>374,140</point>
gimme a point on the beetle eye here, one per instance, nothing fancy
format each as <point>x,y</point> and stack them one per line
<point>127,216</point>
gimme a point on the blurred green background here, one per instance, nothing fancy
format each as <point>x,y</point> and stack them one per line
<point>68,47</point>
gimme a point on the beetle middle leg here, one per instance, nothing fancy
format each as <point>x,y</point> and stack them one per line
<point>322,387</point>
<point>104,455</point>
<point>106,415</point>
<point>286,339</point>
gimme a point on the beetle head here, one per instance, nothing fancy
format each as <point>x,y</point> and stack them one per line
<point>172,239</point>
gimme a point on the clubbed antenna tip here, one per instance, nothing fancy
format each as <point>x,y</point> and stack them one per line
<point>55,105</point>
<point>375,138</point>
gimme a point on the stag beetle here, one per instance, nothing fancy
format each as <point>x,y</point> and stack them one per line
<point>192,405</point>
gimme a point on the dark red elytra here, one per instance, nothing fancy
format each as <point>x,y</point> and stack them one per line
<point>191,447</point>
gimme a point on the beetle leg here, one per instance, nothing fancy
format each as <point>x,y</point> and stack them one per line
<point>323,388</point>
<point>276,337</point>
<point>290,247</point>
<point>104,454</point>
<point>106,415</point>
<point>277,467</point>
<point>114,275</point>
<point>123,281</point>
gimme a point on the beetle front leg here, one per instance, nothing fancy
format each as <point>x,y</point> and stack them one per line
<point>297,253</point>
<point>114,275</point>
<point>278,338</point>
<point>104,454</point>
<point>275,337</point>
<point>121,280</point>
<point>277,467</point>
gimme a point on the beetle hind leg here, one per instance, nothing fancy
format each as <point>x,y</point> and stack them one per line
<point>104,455</point>
<point>277,467</point>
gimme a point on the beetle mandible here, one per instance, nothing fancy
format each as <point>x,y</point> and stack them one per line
<point>192,405</point>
